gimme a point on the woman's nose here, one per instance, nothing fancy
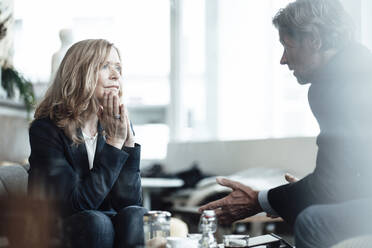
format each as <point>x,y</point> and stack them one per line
<point>114,74</point>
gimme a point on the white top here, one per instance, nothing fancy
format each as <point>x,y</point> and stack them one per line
<point>90,144</point>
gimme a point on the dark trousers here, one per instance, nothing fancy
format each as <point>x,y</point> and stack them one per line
<point>326,225</point>
<point>93,229</point>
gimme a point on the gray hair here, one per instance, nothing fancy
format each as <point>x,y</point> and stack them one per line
<point>323,19</point>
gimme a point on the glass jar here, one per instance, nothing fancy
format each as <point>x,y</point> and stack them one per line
<point>156,225</point>
<point>208,226</point>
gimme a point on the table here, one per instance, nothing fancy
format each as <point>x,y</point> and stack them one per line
<point>149,184</point>
<point>257,221</point>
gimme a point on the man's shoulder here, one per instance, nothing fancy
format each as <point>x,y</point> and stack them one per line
<point>356,59</point>
<point>349,67</point>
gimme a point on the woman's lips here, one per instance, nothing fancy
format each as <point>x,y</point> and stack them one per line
<point>112,87</point>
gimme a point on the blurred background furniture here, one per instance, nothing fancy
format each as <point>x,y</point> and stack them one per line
<point>14,145</point>
<point>13,180</point>
<point>13,184</point>
<point>149,184</point>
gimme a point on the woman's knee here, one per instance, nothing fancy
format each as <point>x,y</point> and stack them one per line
<point>129,226</point>
<point>133,212</point>
<point>99,222</point>
<point>89,228</point>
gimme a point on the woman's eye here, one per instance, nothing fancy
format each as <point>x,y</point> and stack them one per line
<point>105,66</point>
<point>118,68</point>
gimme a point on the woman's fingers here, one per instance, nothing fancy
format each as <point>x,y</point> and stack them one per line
<point>111,105</point>
<point>124,119</point>
<point>115,103</point>
<point>130,135</point>
<point>129,130</point>
<point>122,112</point>
<point>110,108</point>
<point>105,98</point>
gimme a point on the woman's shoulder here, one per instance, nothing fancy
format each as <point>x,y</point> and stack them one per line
<point>46,125</point>
<point>45,131</point>
<point>42,122</point>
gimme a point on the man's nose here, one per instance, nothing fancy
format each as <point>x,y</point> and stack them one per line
<point>283,60</point>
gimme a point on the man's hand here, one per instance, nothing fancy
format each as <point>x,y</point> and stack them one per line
<point>290,178</point>
<point>242,202</point>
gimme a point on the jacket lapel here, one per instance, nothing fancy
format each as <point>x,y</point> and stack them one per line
<point>79,153</point>
<point>80,156</point>
<point>100,140</point>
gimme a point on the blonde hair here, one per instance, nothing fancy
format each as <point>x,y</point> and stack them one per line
<point>70,98</point>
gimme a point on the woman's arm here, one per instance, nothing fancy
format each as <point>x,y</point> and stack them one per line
<point>127,188</point>
<point>52,173</point>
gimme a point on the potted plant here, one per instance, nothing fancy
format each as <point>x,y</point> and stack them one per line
<point>12,79</point>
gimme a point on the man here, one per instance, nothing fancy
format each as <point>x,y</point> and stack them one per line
<point>317,36</point>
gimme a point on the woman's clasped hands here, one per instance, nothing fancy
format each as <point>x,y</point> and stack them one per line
<point>114,119</point>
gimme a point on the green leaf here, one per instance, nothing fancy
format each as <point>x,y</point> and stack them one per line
<point>11,78</point>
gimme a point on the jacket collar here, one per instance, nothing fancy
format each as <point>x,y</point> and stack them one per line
<point>79,152</point>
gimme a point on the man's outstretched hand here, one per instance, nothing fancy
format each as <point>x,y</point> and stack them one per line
<point>242,202</point>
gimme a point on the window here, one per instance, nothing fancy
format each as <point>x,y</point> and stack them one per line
<point>139,28</point>
<point>232,84</point>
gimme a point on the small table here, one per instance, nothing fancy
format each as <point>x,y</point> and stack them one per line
<point>149,184</point>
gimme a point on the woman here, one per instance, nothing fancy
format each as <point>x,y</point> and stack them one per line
<point>83,154</point>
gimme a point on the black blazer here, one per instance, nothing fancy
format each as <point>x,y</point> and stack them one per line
<point>340,98</point>
<point>60,170</point>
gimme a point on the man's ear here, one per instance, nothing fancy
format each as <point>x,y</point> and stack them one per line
<point>315,42</point>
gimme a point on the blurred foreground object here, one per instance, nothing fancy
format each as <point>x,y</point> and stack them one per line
<point>29,222</point>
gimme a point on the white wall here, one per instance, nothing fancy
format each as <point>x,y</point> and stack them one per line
<point>14,141</point>
<point>366,23</point>
<point>297,155</point>
<point>360,11</point>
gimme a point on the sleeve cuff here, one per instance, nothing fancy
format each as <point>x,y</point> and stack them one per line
<point>111,155</point>
<point>264,203</point>
<point>134,156</point>
<point>132,150</point>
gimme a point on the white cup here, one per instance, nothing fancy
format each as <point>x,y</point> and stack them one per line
<point>196,236</point>
<point>177,242</point>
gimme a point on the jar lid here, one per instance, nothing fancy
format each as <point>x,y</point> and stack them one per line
<point>155,215</point>
<point>209,213</point>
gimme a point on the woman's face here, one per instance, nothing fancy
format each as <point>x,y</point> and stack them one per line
<point>109,76</point>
